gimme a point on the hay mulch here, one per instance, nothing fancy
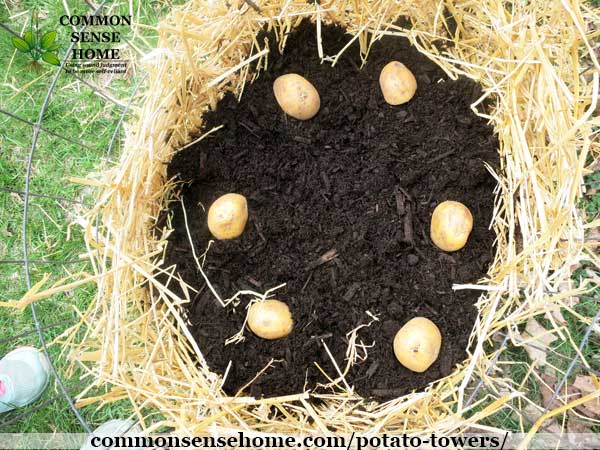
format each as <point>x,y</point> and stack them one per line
<point>537,68</point>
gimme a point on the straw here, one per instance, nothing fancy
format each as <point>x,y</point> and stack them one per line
<point>528,57</point>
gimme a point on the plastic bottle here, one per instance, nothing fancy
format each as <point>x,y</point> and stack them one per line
<point>24,374</point>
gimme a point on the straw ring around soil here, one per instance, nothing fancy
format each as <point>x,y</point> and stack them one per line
<point>528,60</point>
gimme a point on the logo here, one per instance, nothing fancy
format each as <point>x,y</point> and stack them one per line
<point>96,48</point>
<point>97,45</point>
<point>37,44</point>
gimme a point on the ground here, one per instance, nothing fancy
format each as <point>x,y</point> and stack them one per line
<point>87,118</point>
<point>84,116</point>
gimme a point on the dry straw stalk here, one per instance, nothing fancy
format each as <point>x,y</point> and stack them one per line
<point>536,65</point>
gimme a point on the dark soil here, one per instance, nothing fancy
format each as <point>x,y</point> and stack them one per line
<point>362,178</point>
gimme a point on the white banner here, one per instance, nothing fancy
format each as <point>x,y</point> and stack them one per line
<point>240,440</point>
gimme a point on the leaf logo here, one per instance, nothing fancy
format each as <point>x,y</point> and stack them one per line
<point>38,45</point>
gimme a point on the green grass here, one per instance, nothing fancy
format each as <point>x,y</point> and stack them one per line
<point>518,369</point>
<point>75,111</point>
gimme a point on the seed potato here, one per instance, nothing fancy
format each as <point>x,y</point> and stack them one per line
<point>270,319</point>
<point>227,216</point>
<point>397,82</point>
<point>296,96</point>
<point>417,344</point>
<point>451,224</point>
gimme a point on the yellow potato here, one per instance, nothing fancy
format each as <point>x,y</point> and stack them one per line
<point>297,96</point>
<point>397,82</point>
<point>417,344</point>
<point>227,216</point>
<point>451,224</point>
<point>270,319</point>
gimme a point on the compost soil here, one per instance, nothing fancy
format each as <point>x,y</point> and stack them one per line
<point>358,182</point>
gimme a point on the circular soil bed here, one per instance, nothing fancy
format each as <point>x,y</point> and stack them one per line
<point>359,181</point>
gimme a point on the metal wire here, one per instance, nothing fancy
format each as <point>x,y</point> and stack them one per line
<point>99,91</point>
<point>21,416</point>
<point>42,261</point>
<point>14,337</point>
<point>574,362</point>
<point>34,140</point>
<point>34,194</point>
<point>50,132</point>
<point>27,194</point>
<point>487,371</point>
